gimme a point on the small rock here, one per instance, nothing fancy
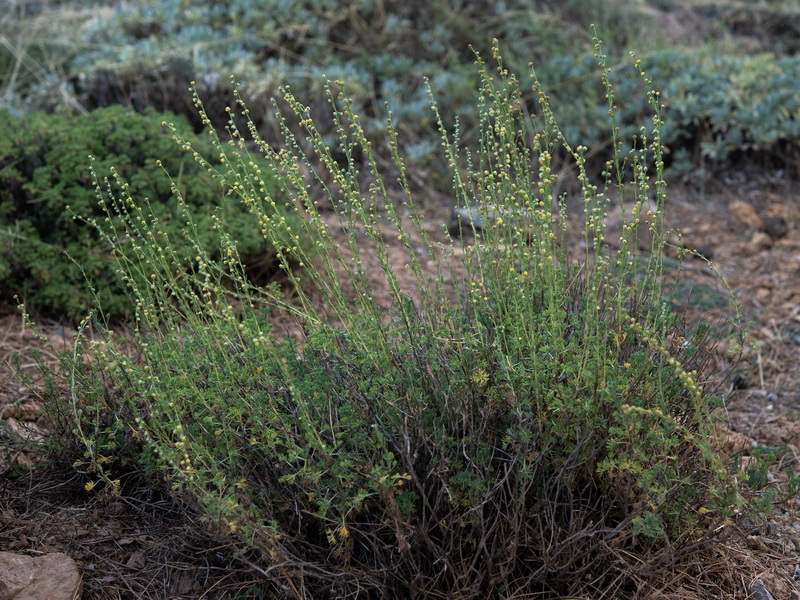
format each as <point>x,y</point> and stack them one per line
<point>22,411</point>
<point>740,381</point>
<point>745,214</point>
<point>759,592</point>
<point>115,509</point>
<point>760,241</point>
<point>763,293</point>
<point>775,227</point>
<point>52,576</point>
<point>464,220</point>
<point>137,560</point>
<point>705,251</point>
<point>756,542</point>
<point>772,528</point>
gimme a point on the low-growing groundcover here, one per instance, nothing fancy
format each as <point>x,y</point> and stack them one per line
<point>730,101</point>
<point>517,423</point>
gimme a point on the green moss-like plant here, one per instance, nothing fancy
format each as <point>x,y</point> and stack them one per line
<point>45,180</point>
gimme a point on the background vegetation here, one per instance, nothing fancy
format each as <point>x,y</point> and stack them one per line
<point>513,428</point>
<point>728,101</point>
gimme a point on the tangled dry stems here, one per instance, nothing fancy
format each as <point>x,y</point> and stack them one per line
<point>47,509</point>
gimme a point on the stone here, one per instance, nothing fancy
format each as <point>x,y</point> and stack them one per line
<point>703,250</point>
<point>759,241</point>
<point>464,220</point>
<point>51,576</point>
<point>746,215</point>
<point>775,227</point>
<point>759,592</point>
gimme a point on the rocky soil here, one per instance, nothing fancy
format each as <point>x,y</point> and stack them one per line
<point>143,545</point>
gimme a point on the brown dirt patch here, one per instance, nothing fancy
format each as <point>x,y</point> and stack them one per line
<point>143,546</point>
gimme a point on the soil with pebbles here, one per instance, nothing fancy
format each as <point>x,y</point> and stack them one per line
<point>142,545</point>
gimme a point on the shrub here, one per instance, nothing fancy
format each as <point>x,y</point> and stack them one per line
<point>515,422</point>
<point>725,108</point>
<point>45,179</point>
<point>722,105</point>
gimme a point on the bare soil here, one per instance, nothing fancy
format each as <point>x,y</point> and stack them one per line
<point>146,545</point>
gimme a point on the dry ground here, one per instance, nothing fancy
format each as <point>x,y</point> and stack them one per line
<point>148,546</point>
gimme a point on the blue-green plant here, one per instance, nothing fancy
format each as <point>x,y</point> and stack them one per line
<point>143,53</point>
<point>724,103</point>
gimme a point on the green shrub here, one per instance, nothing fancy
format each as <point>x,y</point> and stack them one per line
<point>728,107</point>
<point>45,179</point>
<point>514,422</point>
<point>40,39</point>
